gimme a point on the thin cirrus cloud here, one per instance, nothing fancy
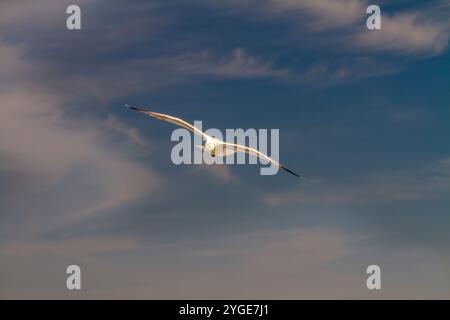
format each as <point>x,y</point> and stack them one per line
<point>137,74</point>
<point>237,65</point>
<point>416,32</point>
<point>345,70</point>
<point>240,64</point>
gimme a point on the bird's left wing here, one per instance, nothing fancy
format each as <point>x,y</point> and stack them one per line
<point>168,118</point>
<point>254,152</point>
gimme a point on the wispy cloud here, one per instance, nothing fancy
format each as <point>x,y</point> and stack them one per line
<point>407,33</point>
<point>131,133</point>
<point>345,70</point>
<point>134,75</point>
<point>411,32</point>
<point>238,65</point>
<point>40,143</point>
<point>326,13</point>
<point>383,187</point>
<point>81,246</point>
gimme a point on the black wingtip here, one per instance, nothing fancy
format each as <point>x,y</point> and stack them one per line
<point>293,173</point>
<point>134,108</point>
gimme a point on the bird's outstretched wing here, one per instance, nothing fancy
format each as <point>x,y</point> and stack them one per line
<point>254,152</point>
<point>168,118</point>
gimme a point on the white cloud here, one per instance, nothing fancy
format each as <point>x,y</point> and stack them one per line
<point>423,32</point>
<point>57,155</point>
<point>406,33</point>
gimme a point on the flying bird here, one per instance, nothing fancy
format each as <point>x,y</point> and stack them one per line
<point>213,146</point>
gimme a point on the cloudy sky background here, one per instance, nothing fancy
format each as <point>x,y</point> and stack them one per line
<point>364,114</point>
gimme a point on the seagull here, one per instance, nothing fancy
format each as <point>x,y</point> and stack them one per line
<point>213,146</point>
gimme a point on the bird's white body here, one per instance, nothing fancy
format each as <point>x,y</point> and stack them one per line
<point>211,145</point>
<point>216,147</point>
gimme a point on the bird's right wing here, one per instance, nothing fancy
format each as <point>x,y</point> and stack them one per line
<point>168,118</point>
<point>257,153</point>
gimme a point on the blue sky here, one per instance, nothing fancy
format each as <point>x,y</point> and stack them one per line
<point>363,114</point>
